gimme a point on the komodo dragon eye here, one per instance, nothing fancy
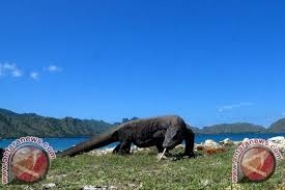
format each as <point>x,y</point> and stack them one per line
<point>175,137</point>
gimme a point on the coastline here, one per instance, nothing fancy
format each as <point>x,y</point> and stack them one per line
<point>209,144</point>
<point>62,143</point>
<point>197,134</point>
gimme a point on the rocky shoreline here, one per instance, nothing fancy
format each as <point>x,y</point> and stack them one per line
<point>278,141</point>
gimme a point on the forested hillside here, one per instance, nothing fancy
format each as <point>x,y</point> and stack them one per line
<point>15,125</point>
<point>278,126</point>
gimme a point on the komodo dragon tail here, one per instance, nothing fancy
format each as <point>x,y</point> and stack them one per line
<point>95,142</point>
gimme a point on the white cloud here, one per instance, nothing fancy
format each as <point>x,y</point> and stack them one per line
<point>53,68</point>
<point>9,66</point>
<point>233,106</point>
<point>34,75</point>
<point>8,69</point>
<point>283,114</point>
<point>17,73</point>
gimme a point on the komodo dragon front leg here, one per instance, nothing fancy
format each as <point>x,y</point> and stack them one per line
<point>123,148</point>
<point>189,144</point>
<point>159,137</point>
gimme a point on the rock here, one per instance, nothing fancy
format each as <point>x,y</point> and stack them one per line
<point>134,149</point>
<point>209,148</point>
<point>237,143</point>
<point>279,142</point>
<point>96,152</point>
<point>214,150</point>
<point>199,147</point>
<point>210,143</point>
<point>49,186</point>
<point>276,139</point>
<point>99,152</point>
<point>227,142</point>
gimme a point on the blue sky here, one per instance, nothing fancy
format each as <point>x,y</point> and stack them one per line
<point>207,61</point>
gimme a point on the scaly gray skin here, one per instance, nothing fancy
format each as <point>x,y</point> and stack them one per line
<point>2,150</point>
<point>162,132</point>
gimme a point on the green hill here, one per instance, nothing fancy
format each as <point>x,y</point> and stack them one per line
<point>239,127</point>
<point>278,126</point>
<point>15,125</point>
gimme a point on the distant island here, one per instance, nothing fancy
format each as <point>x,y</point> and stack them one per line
<point>14,125</point>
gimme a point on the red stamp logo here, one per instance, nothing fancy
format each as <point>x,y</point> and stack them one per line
<point>26,160</point>
<point>258,163</point>
<point>254,160</point>
<point>29,163</point>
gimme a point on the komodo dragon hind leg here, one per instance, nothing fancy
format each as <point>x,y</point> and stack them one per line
<point>123,148</point>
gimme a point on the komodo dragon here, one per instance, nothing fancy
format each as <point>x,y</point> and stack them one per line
<point>164,132</point>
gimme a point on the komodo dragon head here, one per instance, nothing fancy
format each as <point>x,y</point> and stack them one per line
<point>173,137</point>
